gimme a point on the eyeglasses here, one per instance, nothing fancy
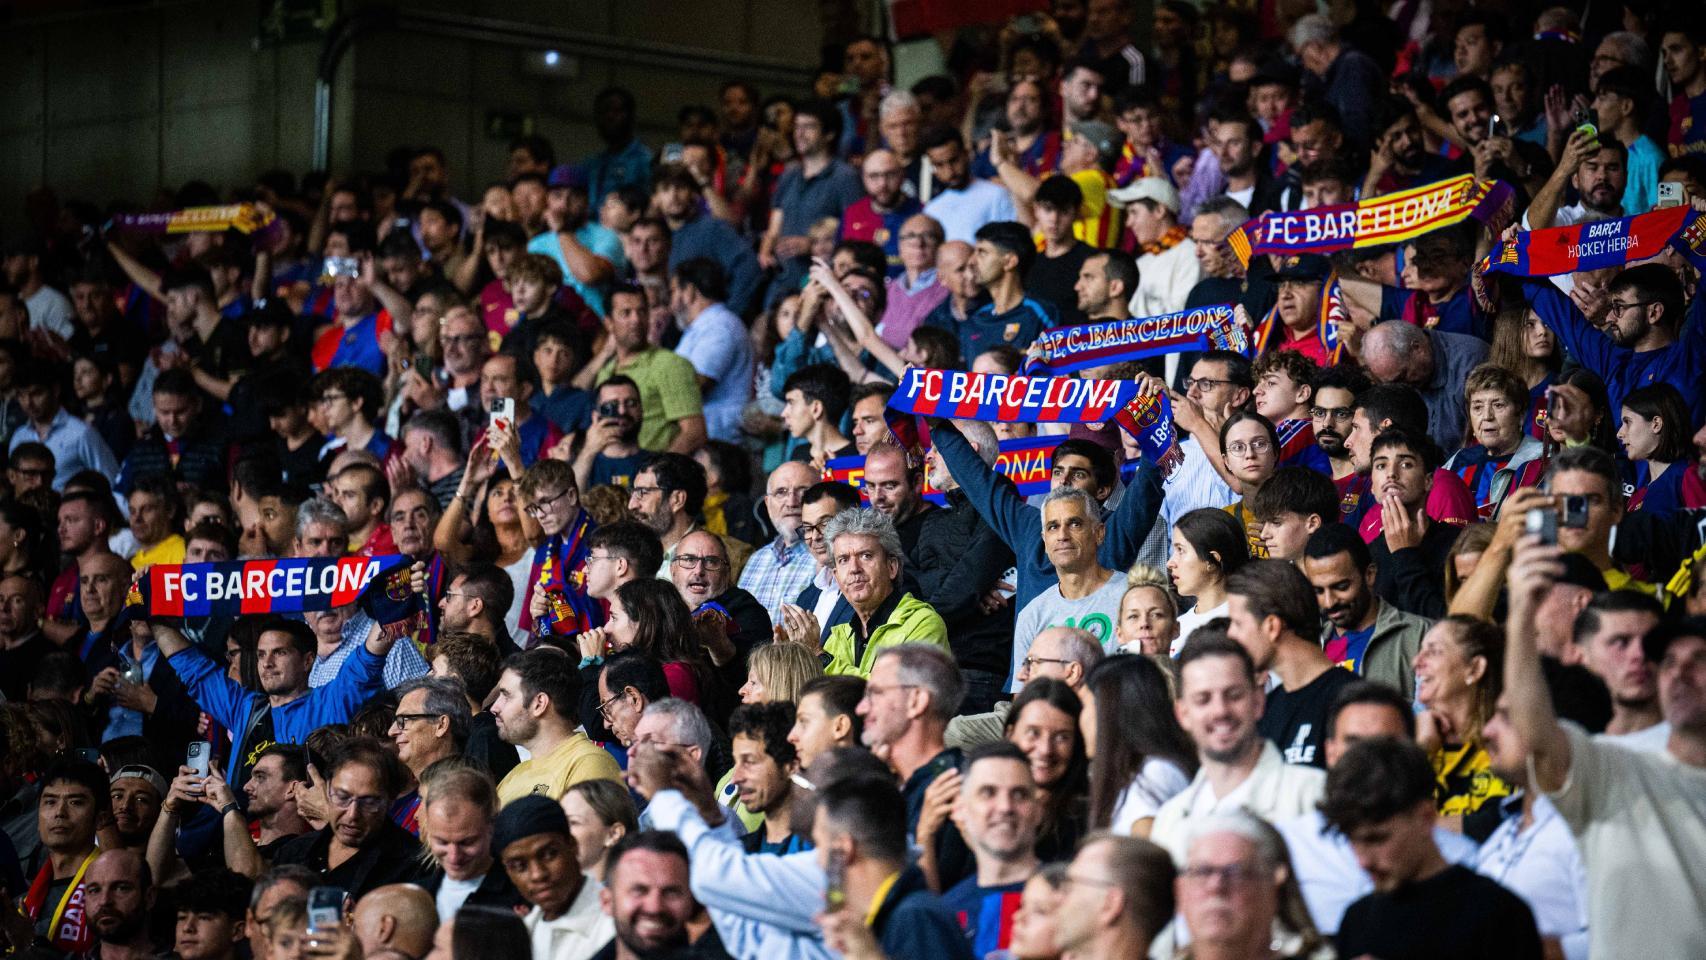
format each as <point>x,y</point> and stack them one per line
<point>604,707</point>
<point>537,510</point>
<point>343,801</point>
<point>1231,874</point>
<point>404,719</point>
<point>812,531</point>
<point>1205,384</point>
<point>643,491</point>
<point>872,691</point>
<point>1337,414</point>
<point>783,494</point>
<point>600,556</point>
<point>1614,307</point>
<point>1033,661</point>
<point>1254,448</point>
<point>711,564</point>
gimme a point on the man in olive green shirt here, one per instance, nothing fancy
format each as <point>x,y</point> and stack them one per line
<point>672,413</point>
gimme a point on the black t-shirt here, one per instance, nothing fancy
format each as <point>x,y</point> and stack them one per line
<point>1296,720</point>
<point>1456,913</point>
<point>1054,279</point>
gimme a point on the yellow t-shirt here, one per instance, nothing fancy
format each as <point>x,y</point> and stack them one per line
<point>169,550</point>
<point>574,760</point>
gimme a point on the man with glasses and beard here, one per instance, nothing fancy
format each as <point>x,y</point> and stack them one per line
<point>360,849</point>
<point>700,572</point>
<point>1330,416</point>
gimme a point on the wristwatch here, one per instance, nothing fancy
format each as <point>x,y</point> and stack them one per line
<point>229,809</point>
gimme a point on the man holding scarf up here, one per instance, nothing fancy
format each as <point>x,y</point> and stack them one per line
<point>73,803</point>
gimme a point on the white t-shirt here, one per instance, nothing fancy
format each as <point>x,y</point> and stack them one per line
<point>1640,821</point>
<point>1191,619</point>
<point>1095,613</point>
<point>453,893</point>
<point>1157,782</point>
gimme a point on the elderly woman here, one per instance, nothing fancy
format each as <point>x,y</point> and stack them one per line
<point>1501,457</point>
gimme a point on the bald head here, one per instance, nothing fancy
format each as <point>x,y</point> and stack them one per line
<point>952,267</point>
<point>1397,352</point>
<point>1064,653</point>
<point>883,178</point>
<point>782,493</point>
<point>118,891</point>
<point>398,916</point>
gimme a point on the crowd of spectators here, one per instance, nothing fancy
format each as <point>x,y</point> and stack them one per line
<point>1404,656</point>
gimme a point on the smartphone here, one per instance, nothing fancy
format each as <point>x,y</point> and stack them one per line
<point>423,366</point>
<point>1494,125</point>
<point>835,882</point>
<point>502,411</point>
<point>342,267</point>
<point>1584,122</point>
<point>1670,195</point>
<point>326,908</point>
<point>133,674</point>
<point>1543,523</point>
<point>199,756</point>
<point>87,753</point>
<point>1575,514</point>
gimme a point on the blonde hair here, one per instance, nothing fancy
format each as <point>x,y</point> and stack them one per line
<point>784,668</point>
<point>1144,575</point>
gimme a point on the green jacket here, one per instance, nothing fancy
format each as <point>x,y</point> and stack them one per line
<point>910,620</point>
<point>1392,648</point>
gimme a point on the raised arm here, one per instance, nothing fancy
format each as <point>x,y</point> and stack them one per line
<point>864,334</point>
<point>1534,568</point>
<point>140,275</point>
<point>1543,209</point>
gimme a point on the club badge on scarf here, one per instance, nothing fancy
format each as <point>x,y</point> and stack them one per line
<point>1388,218</point>
<point>1068,349</point>
<point>246,218</point>
<point>289,585</point>
<point>1150,420</point>
<point>1603,243</point>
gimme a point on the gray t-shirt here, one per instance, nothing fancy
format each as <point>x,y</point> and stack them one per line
<point>1095,613</point>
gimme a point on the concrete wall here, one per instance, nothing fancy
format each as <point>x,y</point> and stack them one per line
<point>122,104</point>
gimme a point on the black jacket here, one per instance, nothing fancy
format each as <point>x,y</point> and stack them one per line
<point>393,856</point>
<point>957,559</point>
<point>201,462</point>
<point>1413,579</point>
<point>495,889</point>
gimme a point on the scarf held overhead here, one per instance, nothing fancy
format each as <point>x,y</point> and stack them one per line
<point>245,218</point>
<point>288,585</point>
<point>1018,398</point>
<point>1388,218</point>
<point>1068,349</point>
<point>1602,243</point>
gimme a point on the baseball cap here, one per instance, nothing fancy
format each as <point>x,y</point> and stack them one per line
<point>1157,189</point>
<point>571,175</point>
<point>1104,136</point>
<point>143,772</point>
<point>1304,266</point>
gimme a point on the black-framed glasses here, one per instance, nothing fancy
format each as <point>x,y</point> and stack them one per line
<point>1615,307</point>
<point>402,720</point>
<point>604,706</point>
<point>1205,384</point>
<point>810,530</point>
<point>688,561</point>
<point>537,510</point>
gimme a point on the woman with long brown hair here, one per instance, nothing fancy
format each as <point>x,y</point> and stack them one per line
<point>1142,757</point>
<point>1527,347</point>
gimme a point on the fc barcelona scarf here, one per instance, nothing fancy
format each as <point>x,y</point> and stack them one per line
<point>1603,243</point>
<point>69,930</point>
<point>1329,313</point>
<point>560,570</point>
<point>1027,461</point>
<point>1017,398</point>
<point>288,585</point>
<point>1069,349</point>
<point>1388,218</point>
<point>246,218</point>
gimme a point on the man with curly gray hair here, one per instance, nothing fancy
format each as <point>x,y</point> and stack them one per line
<point>865,559</point>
